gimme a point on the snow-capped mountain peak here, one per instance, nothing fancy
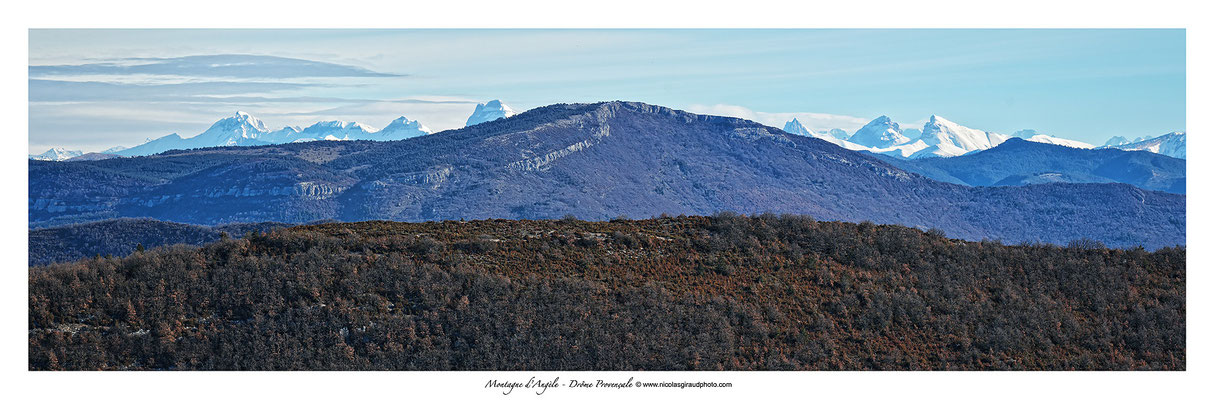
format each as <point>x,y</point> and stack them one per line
<point>243,129</point>
<point>240,129</point>
<point>795,127</point>
<point>944,133</point>
<point>244,116</point>
<point>337,130</point>
<point>403,128</point>
<point>338,124</point>
<point>492,110</point>
<point>879,133</point>
<point>56,154</point>
<point>939,138</point>
<point>405,122</point>
<point>245,120</point>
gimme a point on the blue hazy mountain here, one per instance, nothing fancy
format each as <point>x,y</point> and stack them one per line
<point>592,161</point>
<point>1019,162</point>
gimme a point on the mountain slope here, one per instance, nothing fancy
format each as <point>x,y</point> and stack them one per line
<point>1019,162</point>
<point>594,161</point>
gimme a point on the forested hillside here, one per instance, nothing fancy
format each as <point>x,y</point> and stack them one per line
<point>704,293</point>
<point>122,236</point>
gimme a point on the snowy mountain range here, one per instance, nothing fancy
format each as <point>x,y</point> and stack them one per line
<point>490,111</point>
<point>1171,144</point>
<point>880,133</point>
<point>1121,140</point>
<point>833,136</point>
<point>795,127</point>
<point>243,129</point>
<point>939,138</point>
<point>56,154</point>
<point>944,138</point>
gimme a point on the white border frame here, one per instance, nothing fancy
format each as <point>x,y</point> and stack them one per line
<point>18,18</point>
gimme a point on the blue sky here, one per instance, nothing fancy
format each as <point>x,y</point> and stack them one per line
<point>94,89</point>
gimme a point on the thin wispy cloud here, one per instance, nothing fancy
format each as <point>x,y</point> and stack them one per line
<point>219,66</point>
<point>53,90</point>
<point>101,102</point>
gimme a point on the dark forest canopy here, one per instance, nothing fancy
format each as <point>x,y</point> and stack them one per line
<point>703,293</point>
<point>120,237</point>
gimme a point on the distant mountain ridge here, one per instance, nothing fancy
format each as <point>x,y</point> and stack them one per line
<point>243,129</point>
<point>938,138</point>
<point>593,161</point>
<point>1018,162</point>
<point>944,138</point>
<point>56,154</point>
<point>835,136</point>
<point>93,157</point>
<point>1170,144</point>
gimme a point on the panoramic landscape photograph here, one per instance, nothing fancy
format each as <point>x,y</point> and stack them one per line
<point>606,200</point>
